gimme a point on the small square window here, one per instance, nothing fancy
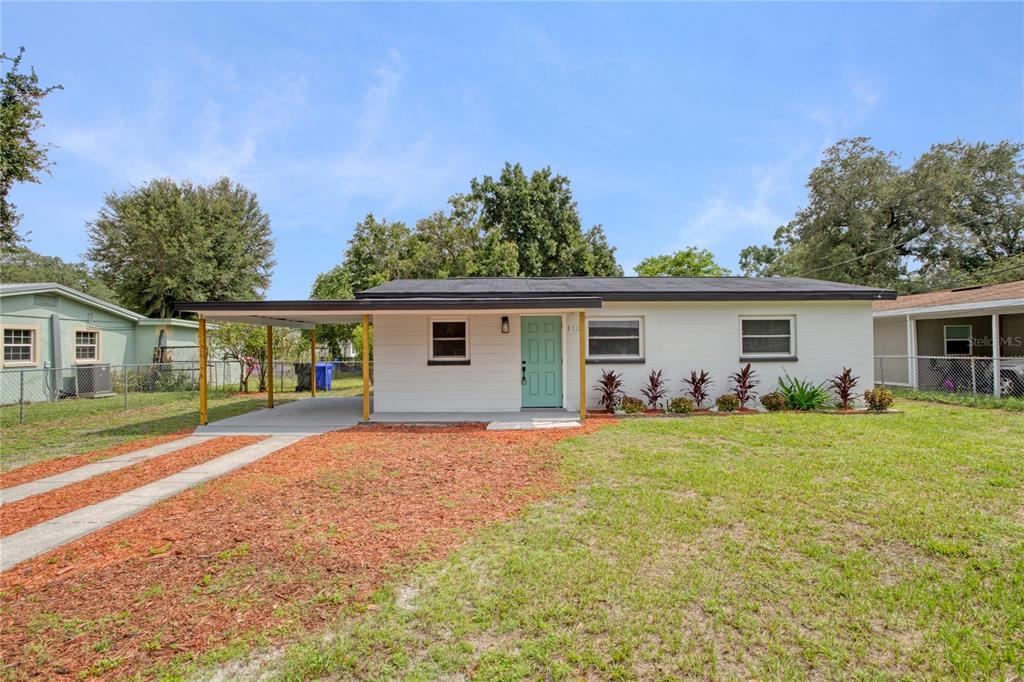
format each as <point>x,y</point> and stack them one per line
<point>448,340</point>
<point>87,345</point>
<point>19,345</point>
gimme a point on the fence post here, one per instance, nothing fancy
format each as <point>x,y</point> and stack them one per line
<point>76,382</point>
<point>125,368</point>
<point>974,381</point>
<point>21,398</point>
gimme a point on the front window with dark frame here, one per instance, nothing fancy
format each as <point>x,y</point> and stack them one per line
<point>87,345</point>
<point>766,336</point>
<point>19,345</point>
<point>449,340</point>
<point>615,338</point>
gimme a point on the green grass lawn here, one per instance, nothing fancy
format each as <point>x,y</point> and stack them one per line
<point>772,546</point>
<point>987,401</point>
<point>71,427</point>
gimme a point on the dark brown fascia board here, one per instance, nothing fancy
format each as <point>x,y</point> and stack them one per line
<point>406,303</point>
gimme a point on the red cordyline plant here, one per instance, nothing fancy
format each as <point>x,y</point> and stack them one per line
<point>744,380</point>
<point>843,384</point>
<point>655,390</point>
<point>700,387</point>
<point>610,386</point>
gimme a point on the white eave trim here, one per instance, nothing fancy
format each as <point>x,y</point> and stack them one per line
<point>1004,306</point>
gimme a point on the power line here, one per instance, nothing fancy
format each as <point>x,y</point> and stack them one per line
<point>972,280</point>
<point>881,250</point>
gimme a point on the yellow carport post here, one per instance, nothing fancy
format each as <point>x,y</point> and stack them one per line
<point>312,362</point>
<point>366,368</point>
<point>203,413</point>
<point>270,366</point>
<point>583,365</point>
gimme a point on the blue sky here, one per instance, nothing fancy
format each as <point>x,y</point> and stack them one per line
<point>678,123</point>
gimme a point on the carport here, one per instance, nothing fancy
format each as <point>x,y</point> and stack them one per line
<point>308,314</point>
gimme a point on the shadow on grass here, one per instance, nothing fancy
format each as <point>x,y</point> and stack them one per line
<point>186,420</point>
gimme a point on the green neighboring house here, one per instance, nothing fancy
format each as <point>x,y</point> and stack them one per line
<point>53,327</point>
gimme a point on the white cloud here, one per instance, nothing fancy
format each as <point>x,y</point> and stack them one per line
<point>758,207</point>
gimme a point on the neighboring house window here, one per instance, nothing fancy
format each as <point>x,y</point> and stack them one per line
<point>87,345</point>
<point>449,340</point>
<point>19,345</point>
<point>767,336</point>
<point>957,338</point>
<point>615,339</point>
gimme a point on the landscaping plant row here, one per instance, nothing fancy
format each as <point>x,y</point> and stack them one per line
<point>790,394</point>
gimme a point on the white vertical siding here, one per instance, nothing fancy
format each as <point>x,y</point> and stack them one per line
<point>678,337</point>
<point>403,382</point>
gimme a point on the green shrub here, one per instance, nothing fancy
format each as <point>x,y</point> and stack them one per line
<point>774,401</point>
<point>879,399</point>
<point>631,405</point>
<point>680,406</point>
<point>728,402</point>
<point>801,394</point>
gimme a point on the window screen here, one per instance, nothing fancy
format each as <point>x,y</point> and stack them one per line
<point>771,336</point>
<point>448,340</point>
<point>613,338</point>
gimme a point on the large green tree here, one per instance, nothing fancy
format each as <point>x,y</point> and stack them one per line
<point>22,157</point>
<point>690,262</point>
<point>537,214</point>
<point>168,241</point>
<point>20,264</point>
<point>957,209</point>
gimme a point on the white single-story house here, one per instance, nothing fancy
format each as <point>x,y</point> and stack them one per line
<point>968,339</point>
<point>509,344</point>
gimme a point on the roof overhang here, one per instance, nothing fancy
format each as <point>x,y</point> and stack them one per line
<point>1002,307</point>
<point>307,314</point>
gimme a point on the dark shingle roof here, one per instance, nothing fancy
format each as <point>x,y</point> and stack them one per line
<point>631,288</point>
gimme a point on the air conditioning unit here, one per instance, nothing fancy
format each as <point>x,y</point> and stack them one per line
<point>94,381</point>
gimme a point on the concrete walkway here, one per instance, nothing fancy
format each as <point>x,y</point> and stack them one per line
<point>51,534</point>
<point>307,417</point>
<point>87,471</point>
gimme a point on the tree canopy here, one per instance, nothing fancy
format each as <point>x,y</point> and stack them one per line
<point>515,225</point>
<point>168,241</point>
<point>690,262</point>
<point>958,209</point>
<point>20,264</point>
<point>22,157</point>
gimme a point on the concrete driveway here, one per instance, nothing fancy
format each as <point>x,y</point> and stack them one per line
<point>308,416</point>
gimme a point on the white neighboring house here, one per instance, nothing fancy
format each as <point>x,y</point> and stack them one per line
<point>509,344</point>
<point>967,340</point>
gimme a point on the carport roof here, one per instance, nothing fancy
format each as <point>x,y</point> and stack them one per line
<point>305,314</point>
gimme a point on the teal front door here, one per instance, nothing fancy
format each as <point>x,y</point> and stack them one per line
<point>542,361</point>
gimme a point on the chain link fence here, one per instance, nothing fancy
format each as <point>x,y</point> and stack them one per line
<point>1002,377</point>
<point>23,388</point>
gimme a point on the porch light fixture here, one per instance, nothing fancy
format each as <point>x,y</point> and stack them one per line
<point>504,324</point>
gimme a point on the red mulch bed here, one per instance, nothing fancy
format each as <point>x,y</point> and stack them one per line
<point>284,543</point>
<point>38,508</point>
<point>32,472</point>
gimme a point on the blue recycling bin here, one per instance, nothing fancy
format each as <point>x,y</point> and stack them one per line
<point>324,375</point>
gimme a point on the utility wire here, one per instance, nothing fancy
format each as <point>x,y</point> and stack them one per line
<point>884,248</point>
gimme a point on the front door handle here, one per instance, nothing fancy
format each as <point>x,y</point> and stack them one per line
<point>524,373</point>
